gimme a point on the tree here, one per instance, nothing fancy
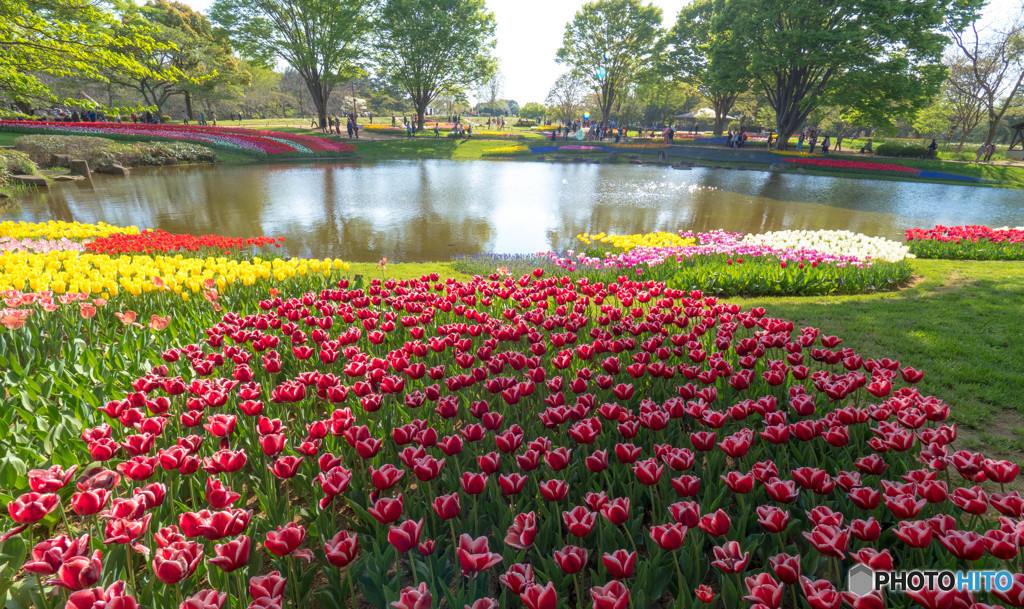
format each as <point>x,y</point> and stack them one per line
<point>608,44</point>
<point>533,111</point>
<point>567,97</point>
<point>434,47</point>
<point>993,69</point>
<point>702,49</point>
<point>191,61</point>
<point>880,59</point>
<point>322,40</point>
<point>61,38</point>
<point>264,94</point>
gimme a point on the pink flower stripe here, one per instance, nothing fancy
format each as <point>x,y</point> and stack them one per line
<point>270,143</point>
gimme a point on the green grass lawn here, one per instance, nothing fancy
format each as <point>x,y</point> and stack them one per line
<point>960,323</point>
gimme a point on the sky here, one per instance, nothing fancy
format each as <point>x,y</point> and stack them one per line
<point>529,33</point>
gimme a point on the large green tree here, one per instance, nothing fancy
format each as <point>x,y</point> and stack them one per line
<point>325,41</point>
<point>191,60</point>
<point>609,44</point>
<point>62,38</point>
<point>882,59</point>
<point>433,47</point>
<point>702,49</point>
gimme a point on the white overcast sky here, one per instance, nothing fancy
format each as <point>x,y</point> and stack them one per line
<point>530,33</point>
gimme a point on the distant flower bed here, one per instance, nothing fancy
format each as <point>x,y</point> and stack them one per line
<point>855,166</point>
<point>506,151</point>
<point>967,243</point>
<point>229,139</point>
<point>149,241</point>
<point>724,263</point>
<point>55,229</point>
<point>628,242</point>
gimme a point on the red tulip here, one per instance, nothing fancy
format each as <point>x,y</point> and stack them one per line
<point>716,524</point>
<point>763,589</point>
<point>447,506</point>
<point>98,598</point>
<point>772,519</point>
<point>406,535</point>
<point>48,556</point>
<point>866,530</point>
<point>704,594</point>
<point>730,558</point>
<point>554,490</point>
<point>648,472</point>
<point>579,521</point>
<point>342,548</point>
<point>50,480</point>
<point>232,555</point>
<point>616,511</point>
<point>878,561</point>
<point>518,577</point>
<point>669,536</point>
<point>613,595</point>
<point>270,586</point>
<point>829,540</point>
<point>916,534</point>
<point>387,509</point>
<point>474,555</point>
<point>32,507</point>
<point>686,486</point>
<point>571,559</point>
<point>820,594</point>
<point>218,495</point>
<point>177,561</point>
<point>205,599</point>
<point>285,467</point>
<point>473,483</point>
<point>414,598</point>
<point>535,596</point>
<point>285,540</point>
<point>511,484</point>
<point>966,545</point>
<point>87,503</point>
<point>385,477</point>
<point>619,563</point>
<point>787,567</point>
<point>522,531</point>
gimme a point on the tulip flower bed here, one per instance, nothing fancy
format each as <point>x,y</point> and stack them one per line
<point>846,166</point>
<point>725,264</point>
<point>236,140</point>
<point>967,243</point>
<point>535,442</point>
<point>150,241</point>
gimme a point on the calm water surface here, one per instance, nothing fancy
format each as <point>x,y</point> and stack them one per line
<point>432,210</point>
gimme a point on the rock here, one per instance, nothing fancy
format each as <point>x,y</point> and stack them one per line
<point>613,155</point>
<point>115,170</point>
<point>632,157</point>
<point>59,160</point>
<point>4,195</point>
<point>681,166</point>
<point>801,170</point>
<point>67,178</point>
<point>777,167</point>
<point>36,181</point>
<point>662,156</point>
<point>741,168</point>
<point>79,167</point>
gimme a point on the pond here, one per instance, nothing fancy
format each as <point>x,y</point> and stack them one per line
<point>417,211</point>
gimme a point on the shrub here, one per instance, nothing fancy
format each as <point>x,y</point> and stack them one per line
<point>900,150</point>
<point>99,151</point>
<point>13,162</point>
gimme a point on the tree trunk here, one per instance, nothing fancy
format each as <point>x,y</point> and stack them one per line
<point>188,104</point>
<point>722,106</point>
<point>23,106</point>
<point>320,94</point>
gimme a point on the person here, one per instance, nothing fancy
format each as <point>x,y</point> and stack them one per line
<point>770,138</point>
<point>814,142</point>
<point>931,150</point>
<point>371,118</point>
<point>824,145</point>
<point>392,120</point>
<point>437,131</point>
<point>866,148</point>
<point>184,118</point>
<point>408,129</point>
<point>213,117</point>
<point>980,152</point>
<point>348,127</point>
<point>799,142</point>
<point>469,130</point>
<point>989,152</point>
<point>839,141</point>
<point>355,126</point>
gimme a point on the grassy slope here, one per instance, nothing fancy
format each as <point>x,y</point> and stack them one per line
<point>960,323</point>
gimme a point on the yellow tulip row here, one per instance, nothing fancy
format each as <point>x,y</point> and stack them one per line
<point>107,276</point>
<point>55,229</point>
<point>629,242</point>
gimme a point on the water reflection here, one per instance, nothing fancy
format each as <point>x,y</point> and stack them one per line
<point>432,210</point>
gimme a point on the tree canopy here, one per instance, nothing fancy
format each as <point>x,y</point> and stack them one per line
<point>881,59</point>
<point>608,44</point>
<point>323,40</point>
<point>434,47</point>
<point>702,50</point>
<point>63,38</point>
